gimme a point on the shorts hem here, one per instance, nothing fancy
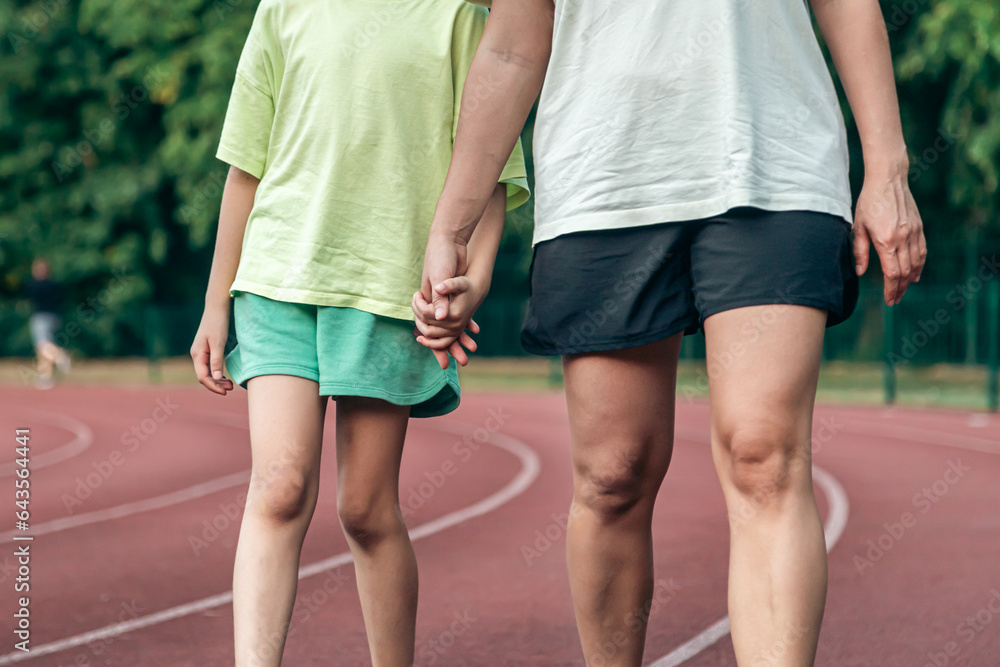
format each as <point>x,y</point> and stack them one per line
<point>414,400</point>
<point>770,301</point>
<point>241,375</point>
<point>687,327</point>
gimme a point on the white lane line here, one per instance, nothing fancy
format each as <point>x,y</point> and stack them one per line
<point>145,505</point>
<point>836,522</point>
<point>530,468</point>
<point>82,438</point>
<point>838,507</point>
<point>925,436</point>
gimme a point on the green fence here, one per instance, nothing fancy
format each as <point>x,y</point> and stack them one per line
<point>935,324</point>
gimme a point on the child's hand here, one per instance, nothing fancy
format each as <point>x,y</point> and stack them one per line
<point>208,348</point>
<point>448,334</point>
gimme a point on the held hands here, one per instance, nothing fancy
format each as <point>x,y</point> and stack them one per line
<point>447,301</point>
<point>208,349</point>
<point>888,217</point>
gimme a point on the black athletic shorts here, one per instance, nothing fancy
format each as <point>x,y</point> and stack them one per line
<point>620,288</point>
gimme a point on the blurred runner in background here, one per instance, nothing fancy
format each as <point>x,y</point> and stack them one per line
<point>46,297</point>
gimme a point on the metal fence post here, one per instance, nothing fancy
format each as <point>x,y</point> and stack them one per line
<point>993,354</point>
<point>888,350</point>
<point>971,309</point>
<point>153,343</point>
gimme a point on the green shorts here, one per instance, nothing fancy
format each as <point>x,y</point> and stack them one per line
<point>348,352</point>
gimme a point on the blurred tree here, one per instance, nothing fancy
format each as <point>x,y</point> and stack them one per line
<point>951,60</point>
<point>110,112</point>
<point>109,117</point>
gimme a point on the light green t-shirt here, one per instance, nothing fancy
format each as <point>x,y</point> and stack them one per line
<point>346,110</point>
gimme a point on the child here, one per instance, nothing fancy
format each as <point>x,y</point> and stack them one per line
<point>339,134</point>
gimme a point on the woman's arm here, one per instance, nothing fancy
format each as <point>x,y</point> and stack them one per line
<point>463,293</point>
<point>210,341</point>
<point>510,65</point>
<point>886,214</point>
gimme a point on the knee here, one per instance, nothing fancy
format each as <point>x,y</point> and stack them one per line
<point>367,519</point>
<point>281,495</point>
<point>611,486</point>
<point>762,460</point>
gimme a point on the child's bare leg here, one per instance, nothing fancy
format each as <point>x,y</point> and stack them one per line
<point>286,434</point>
<point>370,437</point>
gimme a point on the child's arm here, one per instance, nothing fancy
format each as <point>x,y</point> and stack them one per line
<point>465,293</point>
<point>210,341</point>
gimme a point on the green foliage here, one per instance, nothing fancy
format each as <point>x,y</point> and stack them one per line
<point>110,113</point>
<point>955,51</point>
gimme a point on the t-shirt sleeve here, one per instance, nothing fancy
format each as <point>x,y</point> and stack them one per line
<point>246,132</point>
<point>469,26</point>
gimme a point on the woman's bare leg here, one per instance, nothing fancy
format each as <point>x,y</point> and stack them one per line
<point>763,364</point>
<point>621,410</point>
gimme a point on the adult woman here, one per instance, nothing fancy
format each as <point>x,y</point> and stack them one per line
<point>691,171</point>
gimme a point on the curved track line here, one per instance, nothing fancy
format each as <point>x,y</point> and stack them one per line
<point>84,438</point>
<point>135,507</point>
<point>530,468</point>
<point>836,522</point>
<point>235,479</point>
<point>925,436</point>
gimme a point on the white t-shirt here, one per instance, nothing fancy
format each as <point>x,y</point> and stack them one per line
<point>667,110</point>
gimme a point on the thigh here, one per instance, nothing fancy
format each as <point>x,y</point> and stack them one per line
<point>621,411</point>
<point>370,435</point>
<point>286,428</point>
<point>763,366</point>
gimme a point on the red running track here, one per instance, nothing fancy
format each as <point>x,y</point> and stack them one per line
<point>136,498</point>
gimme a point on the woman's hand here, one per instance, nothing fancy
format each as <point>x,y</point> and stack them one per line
<point>208,349</point>
<point>887,216</point>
